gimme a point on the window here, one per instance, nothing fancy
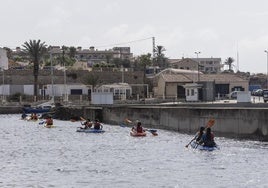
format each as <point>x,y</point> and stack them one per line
<point>192,92</point>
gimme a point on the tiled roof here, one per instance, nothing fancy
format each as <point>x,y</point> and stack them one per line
<point>220,78</point>
<point>176,78</point>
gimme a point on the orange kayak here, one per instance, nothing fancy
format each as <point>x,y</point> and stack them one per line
<point>132,133</point>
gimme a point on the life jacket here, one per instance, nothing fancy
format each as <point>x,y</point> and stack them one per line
<point>97,125</point>
<point>139,129</point>
<point>49,122</point>
<point>209,140</point>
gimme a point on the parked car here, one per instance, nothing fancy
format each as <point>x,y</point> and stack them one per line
<point>265,95</point>
<point>258,92</point>
<point>233,95</point>
<point>253,91</point>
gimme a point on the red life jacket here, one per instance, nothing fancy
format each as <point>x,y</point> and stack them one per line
<point>139,129</point>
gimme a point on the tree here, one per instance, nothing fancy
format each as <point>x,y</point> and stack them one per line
<point>144,61</point>
<point>35,50</point>
<point>229,61</point>
<point>160,59</point>
<point>72,52</point>
<point>91,79</point>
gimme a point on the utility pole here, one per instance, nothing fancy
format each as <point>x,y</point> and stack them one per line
<point>197,65</point>
<point>153,40</point>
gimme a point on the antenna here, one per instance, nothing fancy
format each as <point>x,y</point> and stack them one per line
<point>237,59</point>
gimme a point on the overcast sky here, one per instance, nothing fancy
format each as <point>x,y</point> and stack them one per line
<point>216,28</point>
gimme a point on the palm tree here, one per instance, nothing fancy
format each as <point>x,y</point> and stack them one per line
<point>72,51</point>
<point>229,61</point>
<point>35,50</point>
<point>160,59</point>
<point>144,61</point>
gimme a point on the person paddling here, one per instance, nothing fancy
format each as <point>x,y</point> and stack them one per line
<point>97,124</point>
<point>199,134</point>
<point>208,139</point>
<point>138,128</point>
<point>198,137</point>
<point>87,124</point>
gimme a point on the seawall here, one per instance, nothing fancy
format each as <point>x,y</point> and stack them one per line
<point>233,122</point>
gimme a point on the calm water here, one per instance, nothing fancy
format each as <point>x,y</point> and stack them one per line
<point>34,156</point>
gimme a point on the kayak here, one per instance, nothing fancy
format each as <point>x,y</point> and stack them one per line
<point>49,126</point>
<point>194,145</point>
<point>90,130</point>
<point>135,134</point>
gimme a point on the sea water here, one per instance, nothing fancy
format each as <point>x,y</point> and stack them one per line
<point>34,156</point>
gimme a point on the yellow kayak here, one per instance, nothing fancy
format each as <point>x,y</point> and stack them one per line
<point>49,126</point>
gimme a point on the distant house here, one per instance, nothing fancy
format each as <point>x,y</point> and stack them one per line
<point>206,65</point>
<point>93,55</point>
<point>120,91</point>
<point>171,84</point>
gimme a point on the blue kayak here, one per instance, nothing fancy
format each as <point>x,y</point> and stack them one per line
<point>90,130</point>
<point>195,145</point>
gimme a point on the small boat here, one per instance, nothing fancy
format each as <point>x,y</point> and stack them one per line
<point>90,130</point>
<point>135,134</point>
<point>195,145</point>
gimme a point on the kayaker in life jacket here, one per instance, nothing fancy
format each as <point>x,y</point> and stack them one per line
<point>138,128</point>
<point>208,139</point>
<point>97,124</point>
<point>34,116</point>
<point>199,134</point>
<point>49,121</point>
<point>87,124</point>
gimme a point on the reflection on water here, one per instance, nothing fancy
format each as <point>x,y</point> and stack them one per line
<point>34,156</point>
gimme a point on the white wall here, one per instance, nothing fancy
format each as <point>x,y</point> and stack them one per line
<point>102,98</point>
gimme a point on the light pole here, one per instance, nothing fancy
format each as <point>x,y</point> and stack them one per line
<point>52,79</point>
<point>266,51</point>
<point>64,76</point>
<point>197,65</point>
<point>3,80</point>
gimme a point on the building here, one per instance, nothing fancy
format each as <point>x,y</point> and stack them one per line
<point>120,91</point>
<point>93,55</point>
<point>206,65</point>
<point>171,83</point>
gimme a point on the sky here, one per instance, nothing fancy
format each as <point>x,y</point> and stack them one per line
<point>216,28</point>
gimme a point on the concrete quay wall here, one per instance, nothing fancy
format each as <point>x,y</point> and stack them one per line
<point>232,122</point>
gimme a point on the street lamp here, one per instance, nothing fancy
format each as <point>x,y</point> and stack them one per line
<point>197,65</point>
<point>3,80</point>
<point>266,51</point>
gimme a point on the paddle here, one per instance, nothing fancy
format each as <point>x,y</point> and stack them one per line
<point>152,131</point>
<point>42,122</point>
<point>210,123</point>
